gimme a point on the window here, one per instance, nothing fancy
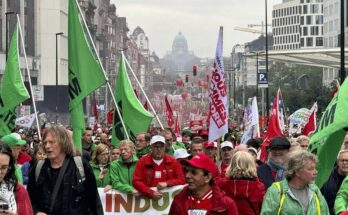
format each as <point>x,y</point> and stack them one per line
<point>305,9</point>
<point>302,42</point>
<point>319,41</point>
<point>305,31</point>
<point>308,20</point>
<point>314,30</point>
<point>309,41</point>
<point>318,19</point>
<point>302,20</point>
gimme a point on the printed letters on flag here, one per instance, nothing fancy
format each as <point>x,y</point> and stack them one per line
<point>85,73</point>
<point>328,137</point>
<point>218,111</point>
<point>25,121</point>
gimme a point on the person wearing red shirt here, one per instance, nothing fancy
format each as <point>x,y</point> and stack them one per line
<point>226,156</point>
<point>201,195</point>
<point>157,170</point>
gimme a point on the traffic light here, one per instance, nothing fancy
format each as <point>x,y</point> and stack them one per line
<point>194,69</point>
<point>186,78</point>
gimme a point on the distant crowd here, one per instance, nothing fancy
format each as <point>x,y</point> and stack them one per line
<point>222,177</point>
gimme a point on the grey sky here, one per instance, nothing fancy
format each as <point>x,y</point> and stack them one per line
<point>198,20</point>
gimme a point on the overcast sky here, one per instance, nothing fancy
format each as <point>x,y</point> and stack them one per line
<point>198,20</point>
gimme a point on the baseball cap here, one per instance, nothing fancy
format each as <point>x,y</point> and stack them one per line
<point>203,132</point>
<point>13,139</point>
<point>226,144</point>
<point>157,138</point>
<point>211,144</point>
<point>181,153</point>
<point>202,161</point>
<point>279,143</point>
<point>252,149</point>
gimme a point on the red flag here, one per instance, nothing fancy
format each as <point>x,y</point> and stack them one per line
<point>311,124</point>
<point>170,120</point>
<point>177,127</point>
<point>146,106</point>
<point>110,116</point>
<point>273,129</point>
<point>95,109</point>
<point>95,126</point>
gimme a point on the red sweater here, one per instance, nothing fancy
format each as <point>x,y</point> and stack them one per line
<point>23,201</point>
<point>248,194</point>
<point>148,174</point>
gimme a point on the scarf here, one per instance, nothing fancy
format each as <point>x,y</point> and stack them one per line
<point>277,168</point>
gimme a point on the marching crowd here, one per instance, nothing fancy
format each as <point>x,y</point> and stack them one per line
<point>222,177</point>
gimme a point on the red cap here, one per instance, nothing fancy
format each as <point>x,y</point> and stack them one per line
<point>211,144</point>
<point>202,161</point>
<point>203,132</point>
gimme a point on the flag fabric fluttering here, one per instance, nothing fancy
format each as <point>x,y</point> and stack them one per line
<point>327,140</point>
<point>252,123</point>
<point>218,111</point>
<point>177,127</point>
<point>12,88</point>
<point>85,73</point>
<point>273,128</point>
<point>95,109</point>
<point>311,125</point>
<point>26,121</point>
<point>134,115</point>
<point>169,112</point>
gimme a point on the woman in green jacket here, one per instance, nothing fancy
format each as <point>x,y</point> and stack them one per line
<point>122,170</point>
<point>100,166</point>
<point>296,194</point>
<point>341,202</point>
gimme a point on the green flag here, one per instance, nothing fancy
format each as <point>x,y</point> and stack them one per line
<point>7,122</point>
<point>135,117</point>
<point>85,73</point>
<point>12,89</point>
<point>328,138</point>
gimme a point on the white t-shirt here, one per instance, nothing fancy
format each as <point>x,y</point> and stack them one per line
<point>8,197</point>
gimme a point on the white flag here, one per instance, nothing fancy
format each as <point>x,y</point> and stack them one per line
<point>252,123</point>
<point>218,113</point>
<point>25,121</point>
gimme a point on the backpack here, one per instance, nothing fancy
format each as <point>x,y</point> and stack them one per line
<point>282,197</point>
<point>78,163</point>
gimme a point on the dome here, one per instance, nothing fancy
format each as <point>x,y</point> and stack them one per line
<point>180,44</point>
<point>138,31</point>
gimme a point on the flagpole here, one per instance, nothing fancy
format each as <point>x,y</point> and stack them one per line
<point>101,65</point>
<point>142,90</point>
<point>28,71</point>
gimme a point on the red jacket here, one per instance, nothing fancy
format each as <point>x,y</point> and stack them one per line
<point>248,194</point>
<point>148,174</point>
<point>221,203</point>
<point>23,157</point>
<point>23,201</point>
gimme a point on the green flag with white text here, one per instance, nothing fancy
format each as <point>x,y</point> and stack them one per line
<point>135,117</point>
<point>12,89</point>
<point>85,73</point>
<point>328,138</point>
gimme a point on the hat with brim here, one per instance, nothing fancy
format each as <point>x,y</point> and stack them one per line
<point>202,161</point>
<point>157,139</point>
<point>13,139</point>
<point>181,154</point>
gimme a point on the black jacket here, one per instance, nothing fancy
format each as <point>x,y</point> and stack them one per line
<point>331,187</point>
<point>264,173</point>
<point>74,196</point>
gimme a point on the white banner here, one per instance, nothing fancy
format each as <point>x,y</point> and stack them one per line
<point>25,121</point>
<point>115,202</point>
<point>218,125</point>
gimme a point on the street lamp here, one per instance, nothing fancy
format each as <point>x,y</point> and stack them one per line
<point>57,34</point>
<point>6,27</point>
<point>266,36</point>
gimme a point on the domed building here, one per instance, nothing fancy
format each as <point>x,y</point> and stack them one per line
<point>180,59</point>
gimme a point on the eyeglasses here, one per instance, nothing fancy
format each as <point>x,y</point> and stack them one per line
<point>343,161</point>
<point>140,140</point>
<point>4,169</point>
<point>169,140</point>
<point>304,146</point>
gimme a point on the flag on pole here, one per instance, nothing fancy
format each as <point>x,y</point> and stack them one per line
<point>218,112</point>
<point>85,73</point>
<point>311,125</point>
<point>12,89</point>
<point>169,112</point>
<point>26,121</point>
<point>177,127</point>
<point>273,129</point>
<point>327,140</point>
<point>134,115</point>
<point>252,123</point>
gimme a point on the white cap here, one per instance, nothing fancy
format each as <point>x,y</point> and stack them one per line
<point>181,153</point>
<point>226,144</point>
<point>252,149</point>
<point>157,138</point>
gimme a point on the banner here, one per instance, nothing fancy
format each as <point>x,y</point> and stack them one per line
<point>25,121</point>
<point>298,120</point>
<point>115,202</point>
<point>85,73</point>
<point>218,109</point>
<point>328,137</point>
<point>251,122</point>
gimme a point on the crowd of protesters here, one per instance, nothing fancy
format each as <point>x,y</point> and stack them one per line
<point>222,177</point>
